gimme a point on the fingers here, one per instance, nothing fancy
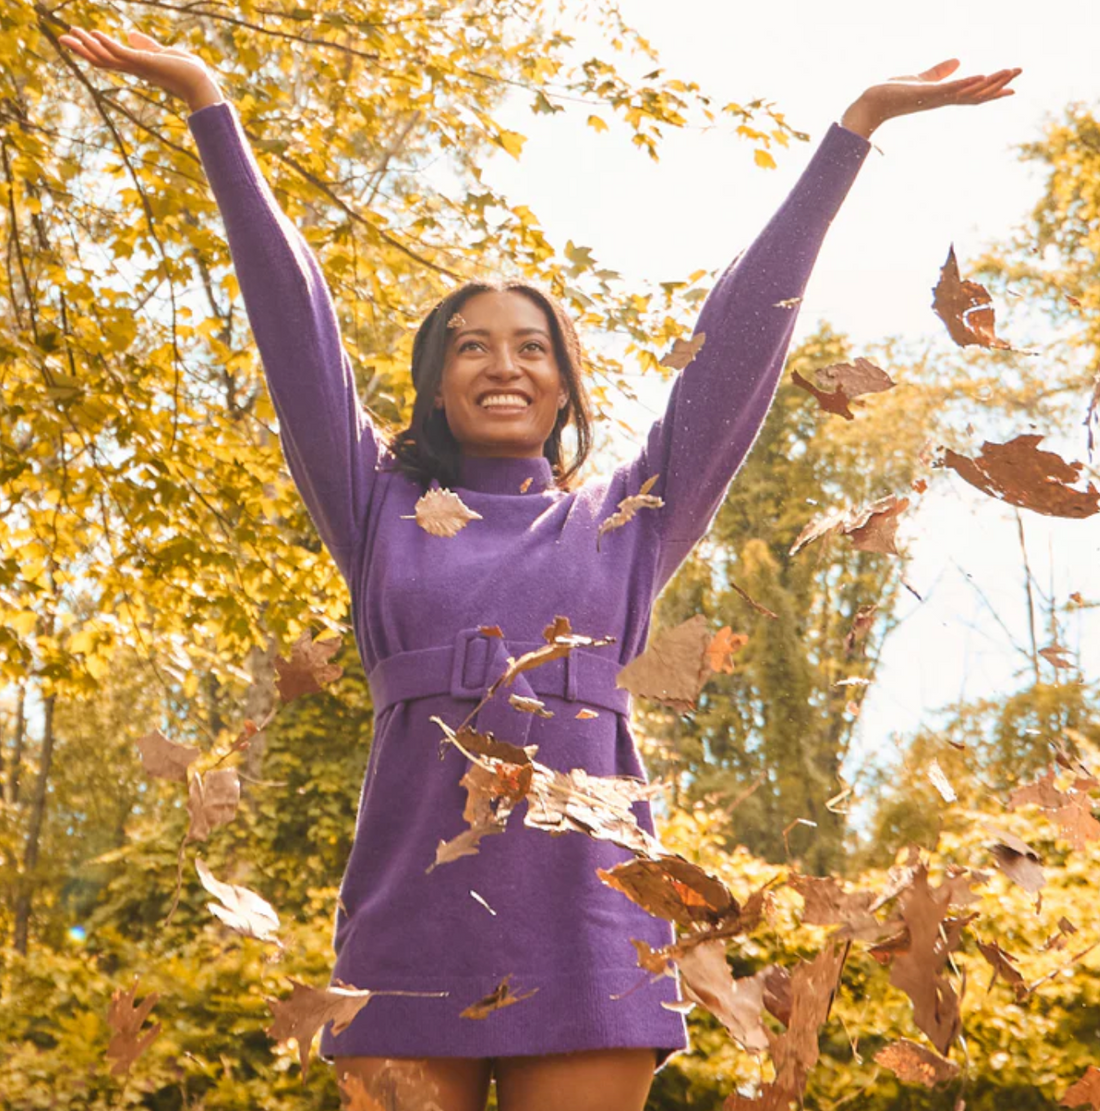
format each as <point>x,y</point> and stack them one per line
<point>144,41</point>
<point>941,70</point>
<point>89,48</point>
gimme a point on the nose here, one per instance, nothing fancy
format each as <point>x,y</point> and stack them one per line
<point>504,364</point>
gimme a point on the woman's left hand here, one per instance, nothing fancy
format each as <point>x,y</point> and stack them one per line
<point>917,93</point>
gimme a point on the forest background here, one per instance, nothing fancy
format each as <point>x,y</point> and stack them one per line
<point>154,557</point>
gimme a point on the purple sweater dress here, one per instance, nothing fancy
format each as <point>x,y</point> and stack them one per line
<point>418,601</point>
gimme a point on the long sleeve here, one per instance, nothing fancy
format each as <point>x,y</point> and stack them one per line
<point>720,400</point>
<point>328,441</point>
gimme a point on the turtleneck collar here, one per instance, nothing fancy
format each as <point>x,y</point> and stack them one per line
<point>505,475</point>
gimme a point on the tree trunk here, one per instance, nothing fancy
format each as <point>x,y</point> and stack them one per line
<point>34,832</point>
<point>11,787</point>
<point>258,702</point>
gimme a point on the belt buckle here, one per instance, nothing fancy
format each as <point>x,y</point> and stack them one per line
<point>459,688</point>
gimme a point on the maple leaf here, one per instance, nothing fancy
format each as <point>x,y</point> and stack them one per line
<point>673,667</point>
<point>1004,966</point>
<point>241,910</point>
<point>855,379</point>
<point>915,1064</point>
<point>501,996</point>
<point>965,307</point>
<point>683,351</point>
<point>308,1009</point>
<point>1085,1090</point>
<point>127,1042</point>
<point>1019,473</point>
<point>720,651</point>
<point>1041,793</point>
<point>308,668</point>
<point>441,513</point>
<point>212,801</point>
<point>165,759</point>
<point>628,507</point>
<point>737,1004</point>
<point>828,904</point>
<point>1018,860</point>
<point>831,401</point>
<point>1057,940</point>
<point>1078,825</point>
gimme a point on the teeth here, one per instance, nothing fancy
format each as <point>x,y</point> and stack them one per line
<point>504,399</point>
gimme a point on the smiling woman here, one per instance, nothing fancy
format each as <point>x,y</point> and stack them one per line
<point>481,341</point>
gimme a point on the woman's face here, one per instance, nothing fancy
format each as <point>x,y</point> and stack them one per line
<point>501,388</point>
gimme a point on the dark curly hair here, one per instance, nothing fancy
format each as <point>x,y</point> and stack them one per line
<point>427,449</point>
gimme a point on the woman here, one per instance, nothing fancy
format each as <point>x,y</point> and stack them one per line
<point>497,374</point>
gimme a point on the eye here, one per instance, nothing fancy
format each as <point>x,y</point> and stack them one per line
<point>536,344</point>
<point>469,343</point>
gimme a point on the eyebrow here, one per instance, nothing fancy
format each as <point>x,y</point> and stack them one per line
<point>517,332</point>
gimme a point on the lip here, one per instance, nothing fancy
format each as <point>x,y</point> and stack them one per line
<point>523,402</point>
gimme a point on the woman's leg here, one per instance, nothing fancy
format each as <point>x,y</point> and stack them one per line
<point>454,1083</point>
<point>595,1080</point>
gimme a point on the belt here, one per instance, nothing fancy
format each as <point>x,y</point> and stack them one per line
<point>466,668</point>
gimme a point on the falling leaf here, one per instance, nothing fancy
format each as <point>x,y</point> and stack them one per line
<point>525,485</point>
<point>915,1064</point>
<point>308,668</point>
<point>1055,654</point>
<point>1092,416</point>
<point>529,705</point>
<point>1004,966</point>
<point>501,996</point>
<point>855,379</point>
<point>831,401</point>
<point>763,610</point>
<point>919,485</point>
<point>164,759</point>
<point>1076,598</point>
<point>628,507</point>
<point>585,714</point>
<point>491,631</point>
<point>1018,860</point>
<point>398,1085</point>
<point>308,1009</point>
<point>720,651</point>
<point>477,898</point>
<point>940,782</point>
<point>673,667</point>
<point>965,307</point>
<point>737,1004</point>
<point>828,904</point>
<point>212,801</point>
<point>672,888</point>
<point>457,321</point>
<point>871,527</point>
<point>127,1042</point>
<point>788,303</point>
<point>241,910</point>
<point>1057,940</point>
<point>862,624</point>
<point>442,513</point>
<point>1085,1090</point>
<point>1019,473</point>
<point>560,641</point>
<point>683,351</point>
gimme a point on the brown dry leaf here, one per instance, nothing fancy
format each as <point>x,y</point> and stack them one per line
<point>308,668</point>
<point>828,904</point>
<point>683,351</point>
<point>855,379</point>
<point>490,800</point>
<point>1057,940</point>
<point>941,782</point>
<point>1042,793</point>
<point>457,321</point>
<point>1085,1090</point>
<point>357,1095</point>
<point>442,512</point>
<point>241,910</point>
<point>165,759</point>
<point>628,507</point>
<point>560,641</point>
<point>308,1009</point>
<point>212,801</point>
<point>737,1004</point>
<point>860,524</point>
<point>1018,860</point>
<point>862,624</point>
<point>965,307</point>
<point>720,652</point>
<point>491,631</point>
<point>529,705</point>
<point>585,714</point>
<point>1092,416</point>
<point>127,1042</point>
<point>501,996</point>
<point>762,610</point>
<point>1003,965</point>
<point>915,1064</point>
<point>652,960</point>
<point>831,401</point>
<point>673,667</point>
<point>673,888</point>
<point>1079,827</point>
<point>1019,473</point>
<point>525,485</point>
<point>1055,654</point>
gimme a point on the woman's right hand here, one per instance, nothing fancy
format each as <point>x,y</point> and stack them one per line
<point>171,68</point>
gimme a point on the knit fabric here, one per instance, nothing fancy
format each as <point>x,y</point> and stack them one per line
<point>532,556</point>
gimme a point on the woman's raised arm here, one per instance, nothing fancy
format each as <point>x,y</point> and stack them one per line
<point>330,445</point>
<point>721,398</point>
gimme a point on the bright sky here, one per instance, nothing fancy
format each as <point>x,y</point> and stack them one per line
<point>942,177</point>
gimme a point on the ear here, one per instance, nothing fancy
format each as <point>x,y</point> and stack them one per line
<point>563,400</point>
<point>438,401</point>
